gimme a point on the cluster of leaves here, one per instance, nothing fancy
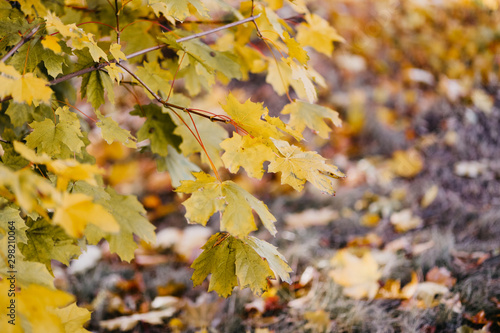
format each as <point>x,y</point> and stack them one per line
<point>52,189</point>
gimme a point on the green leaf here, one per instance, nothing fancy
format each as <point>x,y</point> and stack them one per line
<point>231,260</point>
<point>129,213</point>
<point>47,241</point>
<point>97,83</point>
<point>154,76</point>
<point>218,260</point>
<point>59,140</point>
<point>111,131</point>
<point>10,219</point>
<point>28,272</point>
<point>20,113</point>
<point>251,270</point>
<point>223,62</point>
<point>158,128</point>
<point>276,260</point>
<point>178,166</point>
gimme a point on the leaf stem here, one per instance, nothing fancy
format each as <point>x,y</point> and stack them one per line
<point>21,42</point>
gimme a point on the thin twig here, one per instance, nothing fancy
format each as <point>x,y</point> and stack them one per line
<point>170,105</point>
<point>117,23</point>
<point>21,43</point>
<point>227,26</point>
<point>158,98</point>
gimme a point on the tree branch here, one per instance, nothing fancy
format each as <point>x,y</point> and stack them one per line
<point>227,26</point>
<point>21,43</point>
<point>170,105</point>
<point>153,48</point>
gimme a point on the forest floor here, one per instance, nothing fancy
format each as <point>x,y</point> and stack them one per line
<point>410,242</point>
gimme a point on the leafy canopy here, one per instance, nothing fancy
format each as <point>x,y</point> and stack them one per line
<point>53,190</point>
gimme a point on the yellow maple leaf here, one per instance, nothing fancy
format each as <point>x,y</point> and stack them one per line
<point>295,50</point>
<point>24,88</point>
<point>209,195</point>
<point>65,170</point>
<point>248,116</point>
<point>114,72</point>
<point>317,33</point>
<point>298,166</point>
<point>73,318</point>
<point>77,210</point>
<point>357,274</point>
<point>79,38</point>
<point>35,309</point>
<point>115,50</point>
<point>286,72</point>
<point>247,152</point>
<point>392,289</point>
<point>304,115</point>
<point>50,42</point>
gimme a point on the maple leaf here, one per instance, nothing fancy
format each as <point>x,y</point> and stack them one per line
<point>28,272</point>
<point>77,210</point>
<point>276,260</point>
<point>46,242</point>
<point>111,131</point>
<point>35,307</point>
<point>31,191</point>
<point>51,43</point>
<point>247,152</point>
<point>73,318</point>
<point>178,9</point>
<point>249,116</point>
<point>10,214</point>
<point>210,195</point>
<point>158,128</point>
<point>358,275</point>
<point>297,166</point>
<point>58,140</point>
<point>115,50</point>
<point>231,260</point>
<point>286,72</point>
<point>304,115</point>
<point>114,72</point>
<point>295,50</point>
<point>317,33</point>
<point>23,88</point>
<point>154,77</point>
<point>65,170</point>
<point>129,213</point>
<point>211,59</point>
<point>94,84</point>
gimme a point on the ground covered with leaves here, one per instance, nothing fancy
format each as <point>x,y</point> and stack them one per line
<point>409,243</point>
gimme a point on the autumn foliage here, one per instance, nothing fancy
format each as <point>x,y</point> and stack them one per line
<point>56,55</point>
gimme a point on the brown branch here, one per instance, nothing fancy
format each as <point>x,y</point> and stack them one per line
<point>227,26</point>
<point>153,48</point>
<point>170,105</point>
<point>117,23</point>
<point>21,43</point>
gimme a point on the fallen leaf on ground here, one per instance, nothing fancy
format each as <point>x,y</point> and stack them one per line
<point>404,220</point>
<point>357,274</point>
<point>311,217</point>
<point>440,275</point>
